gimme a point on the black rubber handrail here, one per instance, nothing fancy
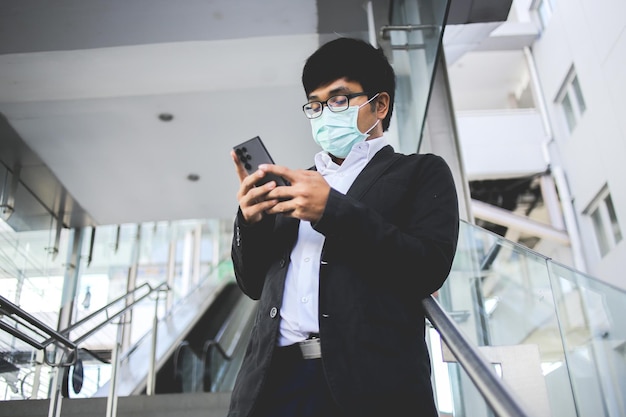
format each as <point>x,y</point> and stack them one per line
<point>495,393</point>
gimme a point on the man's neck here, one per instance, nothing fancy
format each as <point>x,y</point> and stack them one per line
<point>336,160</point>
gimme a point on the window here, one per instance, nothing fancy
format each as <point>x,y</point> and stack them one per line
<point>571,100</point>
<point>604,221</point>
<point>543,10</point>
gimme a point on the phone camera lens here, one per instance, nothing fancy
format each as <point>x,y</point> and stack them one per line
<point>248,166</point>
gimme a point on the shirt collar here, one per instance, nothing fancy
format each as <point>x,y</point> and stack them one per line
<point>362,150</point>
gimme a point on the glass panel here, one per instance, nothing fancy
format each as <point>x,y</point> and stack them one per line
<point>32,277</point>
<point>579,95</point>
<point>617,233</point>
<point>414,55</point>
<point>568,110</point>
<point>601,236</point>
<point>456,394</point>
<point>505,296</point>
<point>545,12</point>
<point>500,295</point>
<point>32,270</point>
<point>590,314</point>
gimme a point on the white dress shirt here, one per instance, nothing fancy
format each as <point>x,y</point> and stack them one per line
<point>299,312</point>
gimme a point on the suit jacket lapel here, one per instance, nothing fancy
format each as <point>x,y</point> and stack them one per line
<point>374,169</point>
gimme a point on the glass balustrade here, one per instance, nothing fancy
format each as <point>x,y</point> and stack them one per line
<point>112,260</point>
<point>537,320</point>
<point>562,326</point>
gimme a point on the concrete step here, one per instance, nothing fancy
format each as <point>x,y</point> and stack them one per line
<point>214,404</point>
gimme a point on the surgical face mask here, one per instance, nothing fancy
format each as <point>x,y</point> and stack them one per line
<point>338,132</point>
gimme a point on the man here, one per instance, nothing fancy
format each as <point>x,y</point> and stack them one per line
<point>340,259</point>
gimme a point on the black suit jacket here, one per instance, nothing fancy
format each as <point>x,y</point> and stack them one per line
<point>389,242</point>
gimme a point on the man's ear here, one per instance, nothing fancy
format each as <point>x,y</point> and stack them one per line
<point>382,105</point>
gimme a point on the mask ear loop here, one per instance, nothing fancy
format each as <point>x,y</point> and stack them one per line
<point>372,128</point>
<point>377,120</point>
<point>370,100</point>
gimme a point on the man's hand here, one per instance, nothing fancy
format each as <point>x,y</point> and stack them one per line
<point>304,199</point>
<point>253,201</point>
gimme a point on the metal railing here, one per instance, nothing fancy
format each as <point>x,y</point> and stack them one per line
<point>113,310</point>
<point>68,357</point>
<point>493,390</point>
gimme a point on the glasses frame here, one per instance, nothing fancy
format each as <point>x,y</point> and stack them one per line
<point>325,103</point>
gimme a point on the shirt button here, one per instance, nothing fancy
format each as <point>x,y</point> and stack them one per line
<point>307,259</point>
<point>304,299</point>
<point>273,312</point>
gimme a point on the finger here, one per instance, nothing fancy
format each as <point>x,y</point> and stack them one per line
<point>279,170</point>
<point>253,214</point>
<point>261,206</point>
<point>254,195</point>
<point>280,208</point>
<point>281,193</point>
<point>241,171</point>
<point>252,179</point>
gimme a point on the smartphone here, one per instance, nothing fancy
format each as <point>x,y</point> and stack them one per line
<point>251,154</point>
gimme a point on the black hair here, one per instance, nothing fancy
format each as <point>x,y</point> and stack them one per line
<point>354,60</point>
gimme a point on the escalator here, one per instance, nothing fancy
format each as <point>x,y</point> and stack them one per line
<point>191,345</point>
<point>202,360</point>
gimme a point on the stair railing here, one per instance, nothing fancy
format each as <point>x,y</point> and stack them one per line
<point>496,394</point>
<point>68,357</point>
<point>35,326</point>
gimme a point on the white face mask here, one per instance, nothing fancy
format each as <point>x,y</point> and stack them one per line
<point>338,132</point>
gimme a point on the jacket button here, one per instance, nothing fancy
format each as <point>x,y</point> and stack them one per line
<point>282,263</point>
<point>273,312</point>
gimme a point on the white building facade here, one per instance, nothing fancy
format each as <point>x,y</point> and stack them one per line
<point>539,102</point>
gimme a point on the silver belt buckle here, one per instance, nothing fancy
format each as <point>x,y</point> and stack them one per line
<point>311,348</point>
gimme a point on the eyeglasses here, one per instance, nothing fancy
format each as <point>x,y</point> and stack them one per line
<point>336,104</point>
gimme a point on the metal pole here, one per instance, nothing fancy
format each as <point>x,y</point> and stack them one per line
<point>371,26</point>
<point>152,367</point>
<point>37,374</point>
<point>54,410</point>
<point>112,398</point>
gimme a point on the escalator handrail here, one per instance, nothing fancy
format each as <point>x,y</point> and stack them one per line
<point>495,393</point>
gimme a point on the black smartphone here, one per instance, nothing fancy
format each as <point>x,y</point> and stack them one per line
<point>252,153</point>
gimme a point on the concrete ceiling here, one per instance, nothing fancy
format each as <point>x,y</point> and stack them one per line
<point>83,83</point>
